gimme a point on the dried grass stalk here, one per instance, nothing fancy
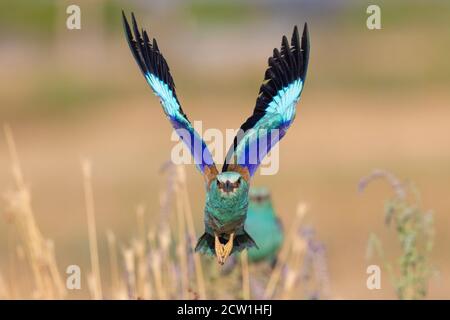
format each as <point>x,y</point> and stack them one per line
<point>181,247</point>
<point>130,272</point>
<point>284,255</point>
<point>116,287</point>
<point>4,290</point>
<point>155,266</point>
<point>143,289</point>
<point>48,283</point>
<point>199,275</point>
<point>245,276</point>
<point>298,249</point>
<point>96,286</point>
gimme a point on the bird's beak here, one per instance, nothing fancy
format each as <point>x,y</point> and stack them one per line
<point>228,186</point>
<point>223,251</point>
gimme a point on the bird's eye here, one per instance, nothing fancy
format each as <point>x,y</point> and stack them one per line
<point>218,183</point>
<point>239,181</point>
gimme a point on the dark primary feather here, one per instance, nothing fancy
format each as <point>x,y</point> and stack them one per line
<point>147,55</point>
<point>156,71</point>
<point>285,67</point>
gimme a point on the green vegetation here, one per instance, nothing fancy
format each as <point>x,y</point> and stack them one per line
<point>37,16</point>
<point>63,94</point>
<point>219,12</point>
<point>400,13</point>
<point>415,233</point>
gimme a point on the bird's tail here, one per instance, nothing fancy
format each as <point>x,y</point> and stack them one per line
<point>205,243</point>
<point>243,241</point>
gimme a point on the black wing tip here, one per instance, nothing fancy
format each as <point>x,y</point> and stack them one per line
<point>295,33</point>
<point>155,45</point>
<point>285,65</point>
<point>126,25</point>
<point>305,49</point>
<point>147,54</point>
<point>124,16</point>
<point>305,36</point>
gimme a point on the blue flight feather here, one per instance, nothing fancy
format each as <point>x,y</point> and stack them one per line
<point>275,106</point>
<point>156,71</point>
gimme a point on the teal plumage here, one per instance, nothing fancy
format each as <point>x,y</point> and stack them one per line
<point>226,213</point>
<point>264,226</point>
<point>222,210</point>
<point>227,192</point>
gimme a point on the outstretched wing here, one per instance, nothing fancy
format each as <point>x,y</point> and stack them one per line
<point>156,71</point>
<point>275,106</point>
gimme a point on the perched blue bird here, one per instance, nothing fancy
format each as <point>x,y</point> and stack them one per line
<point>227,192</point>
<point>264,226</point>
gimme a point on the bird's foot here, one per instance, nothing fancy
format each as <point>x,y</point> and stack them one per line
<point>218,248</point>
<point>227,248</point>
<point>223,251</point>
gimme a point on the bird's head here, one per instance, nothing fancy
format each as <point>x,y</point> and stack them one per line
<point>260,197</point>
<point>229,193</point>
<point>230,184</point>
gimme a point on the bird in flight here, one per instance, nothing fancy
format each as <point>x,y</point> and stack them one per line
<point>264,226</point>
<point>227,191</point>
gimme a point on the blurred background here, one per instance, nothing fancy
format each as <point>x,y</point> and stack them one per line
<point>373,99</point>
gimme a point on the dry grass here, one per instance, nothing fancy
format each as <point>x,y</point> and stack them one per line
<point>245,276</point>
<point>94,277</point>
<point>157,263</point>
<point>412,271</point>
<point>38,252</point>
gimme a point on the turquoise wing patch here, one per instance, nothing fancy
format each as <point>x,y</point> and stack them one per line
<point>275,106</point>
<point>156,71</point>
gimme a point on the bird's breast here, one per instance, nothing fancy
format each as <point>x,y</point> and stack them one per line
<point>225,220</point>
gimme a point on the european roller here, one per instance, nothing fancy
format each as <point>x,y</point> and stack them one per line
<point>264,226</point>
<point>227,192</point>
